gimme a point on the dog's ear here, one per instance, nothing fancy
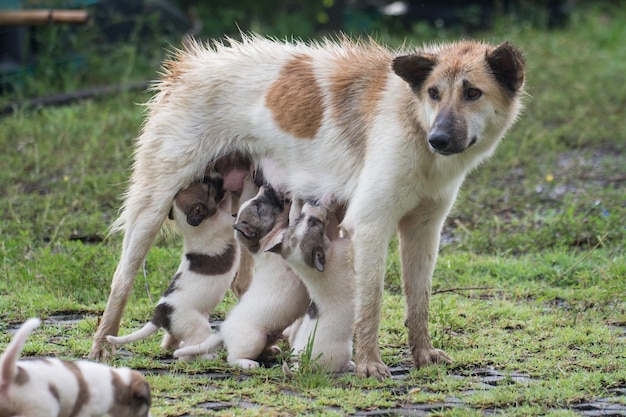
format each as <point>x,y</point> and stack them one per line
<point>197,213</point>
<point>414,69</point>
<point>319,258</point>
<point>140,390</point>
<point>246,230</point>
<point>275,244</point>
<point>507,65</point>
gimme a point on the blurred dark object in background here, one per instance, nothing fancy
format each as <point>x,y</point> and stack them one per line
<point>471,15</point>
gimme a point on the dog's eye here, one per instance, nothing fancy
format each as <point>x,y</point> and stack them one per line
<point>433,93</point>
<point>473,94</point>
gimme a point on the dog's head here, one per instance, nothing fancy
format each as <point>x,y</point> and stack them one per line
<point>131,394</point>
<point>199,201</point>
<point>305,241</point>
<point>469,92</point>
<point>258,216</point>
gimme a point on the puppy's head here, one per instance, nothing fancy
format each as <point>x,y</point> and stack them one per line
<point>258,216</point>
<point>131,394</point>
<point>199,201</point>
<point>305,240</point>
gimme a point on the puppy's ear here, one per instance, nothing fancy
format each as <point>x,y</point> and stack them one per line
<point>197,213</point>
<point>275,243</point>
<point>246,230</point>
<point>319,258</point>
<point>140,390</point>
<point>414,69</point>
<point>507,65</point>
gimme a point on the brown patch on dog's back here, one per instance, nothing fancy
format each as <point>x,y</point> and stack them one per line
<point>161,316</point>
<point>295,99</point>
<point>83,395</point>
<point>55,392</point>
<point>173,285</point>
<point>355,90</point>
<point>212,265</point>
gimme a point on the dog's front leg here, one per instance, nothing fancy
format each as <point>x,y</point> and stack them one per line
<point>370,253</point>
<point>419,232</point>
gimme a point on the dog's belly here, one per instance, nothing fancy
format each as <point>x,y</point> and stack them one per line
<point>310,179</point>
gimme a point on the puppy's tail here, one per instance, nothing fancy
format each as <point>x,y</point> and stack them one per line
<point>147,330</point>
<point>210,344</point>
<point>8,362</point>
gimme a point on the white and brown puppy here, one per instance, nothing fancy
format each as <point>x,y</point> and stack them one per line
<point>276,296</point>
<point>210,259</point>
<point>390,133</point>
<point>51,387</point>
<point>326,268</point>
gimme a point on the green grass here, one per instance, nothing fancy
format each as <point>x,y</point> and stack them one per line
<point>530,278</point>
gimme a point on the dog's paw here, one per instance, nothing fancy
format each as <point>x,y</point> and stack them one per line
<point>207,356</point>
<point>376,370</point>
<point>101,352</point>
<point>272,350</point>
<point>431,356</point>
<point>246,363</point>
<point>186,358</point>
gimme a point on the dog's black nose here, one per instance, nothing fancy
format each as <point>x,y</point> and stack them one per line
<point>439,139</point>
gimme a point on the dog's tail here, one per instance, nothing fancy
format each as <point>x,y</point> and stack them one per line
<point>210,344</point>
<point>147,330</point>
<point>8,362</point>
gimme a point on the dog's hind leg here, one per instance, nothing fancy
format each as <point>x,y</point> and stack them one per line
<point>147,204</point>
<point>169,342</point>
<point>134,251</point>
<point>419,233</point>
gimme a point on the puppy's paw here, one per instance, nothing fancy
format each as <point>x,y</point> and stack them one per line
<point>245,363</point>
<point>350,367</point>
<point>186,358</point>
<point>207,356</point>
<point>377,370</point>
<point>272,350</point>
<point>426,357</point>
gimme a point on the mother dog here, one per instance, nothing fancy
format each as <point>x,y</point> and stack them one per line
<point>391,134</point>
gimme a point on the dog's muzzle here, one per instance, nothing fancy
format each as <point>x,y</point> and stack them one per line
<point>445,142</point>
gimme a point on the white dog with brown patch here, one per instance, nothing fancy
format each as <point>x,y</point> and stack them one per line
<point>326,269</point>
<point>391,134</point>
<point>276,296</point>
<point>207,269</point>
<point>50,387</point>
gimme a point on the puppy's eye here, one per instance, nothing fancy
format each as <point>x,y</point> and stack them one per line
<point>473,94</point>
<point>433,93</point>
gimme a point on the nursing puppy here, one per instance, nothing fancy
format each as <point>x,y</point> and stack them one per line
<point>50,387</point>
<point>209,263</point>
<point>389,133</point>
<point>276,296</point>
<point>326,269</point>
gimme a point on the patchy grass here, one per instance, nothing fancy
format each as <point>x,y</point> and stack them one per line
<point>529,283</point>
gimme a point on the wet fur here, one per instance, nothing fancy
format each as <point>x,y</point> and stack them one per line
<point>391,134</point>
<point>50,387</point>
